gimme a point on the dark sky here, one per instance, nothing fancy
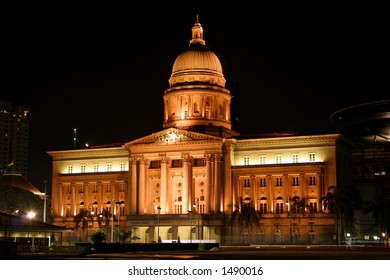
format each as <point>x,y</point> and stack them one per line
<point>104,70</point>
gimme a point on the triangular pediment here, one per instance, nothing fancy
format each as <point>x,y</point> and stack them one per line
<point>172,136</point>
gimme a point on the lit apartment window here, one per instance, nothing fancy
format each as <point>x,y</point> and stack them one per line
<point>295,158</point>
<point>109,167</point>
<point>279,181</point>
<point>262,160</point>
<point>70,169</point>
<point>123,166</point>
<point>96,168</point>
<point>247,183</point>
<point>262,182</point>
<point>312,180</point>
<point>246,160</point>
<point>312,157</point>
<point>82,168</point>
<point>295,181</point>
<point>278,159</point>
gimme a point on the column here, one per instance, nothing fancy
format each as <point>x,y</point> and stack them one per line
<point>185,194</point>
<point>209,181</point>
<point>133,194</point>
<point>163,186</point>
<point>73,190</point>
<point>217,183</point>
<point>61,211</point>
<point>142,186</point>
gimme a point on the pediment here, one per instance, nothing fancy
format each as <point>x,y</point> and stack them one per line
<point>173,136</point>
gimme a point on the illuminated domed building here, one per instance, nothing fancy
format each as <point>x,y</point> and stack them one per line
<point>193,179</point>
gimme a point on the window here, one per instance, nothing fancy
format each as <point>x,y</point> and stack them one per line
<point>279,181</point>
<point>279,208</point>
<point>295,158</point>
<point>199,162</point>
<point>123,166</point>
<point>247,183</point>
<point>178,209</point>
<point>82,168</point>
<point>278,159</point>
<point>263,208</point>
<point>295,181</point>
<point>312,180</point>
<point>70,169</point>
<point>312,157</point>
<point>262,160</point>
<point>96,167</point>
<point>262,182</point>
<point>109,167</point>
<point>201,208</point>
<point>246,160</point>
<point>313,207</point>
<point>155,164</point>
<point>177,163</point>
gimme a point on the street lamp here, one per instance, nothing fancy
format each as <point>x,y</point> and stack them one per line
<point>289,215</point>
<point>158,208</point>
<point>44,204</point>
<point>190,211</point>
<point>119,217</point>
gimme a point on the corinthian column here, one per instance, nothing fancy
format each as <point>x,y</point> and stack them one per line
<point>163,186</point>
<point>132,192</point>
<point>187,182</point>
<point>217,182</point>
<point>142,186</point>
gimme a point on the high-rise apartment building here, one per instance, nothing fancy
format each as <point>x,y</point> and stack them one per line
<point>14,128</point>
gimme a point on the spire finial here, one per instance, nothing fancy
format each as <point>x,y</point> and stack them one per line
<point>197,33</point>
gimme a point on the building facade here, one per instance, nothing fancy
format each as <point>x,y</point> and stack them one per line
<point>192,180</point>
<point>14,131</point>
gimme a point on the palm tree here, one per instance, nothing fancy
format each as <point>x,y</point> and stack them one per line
<point>83,217</point>
<point>247,217</point>
<point>342,202</point>
<point>105,216</point>
<point>123,235</point>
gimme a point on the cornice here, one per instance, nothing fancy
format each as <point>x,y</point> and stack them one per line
<point>89,153</point>
<point>288,140</point>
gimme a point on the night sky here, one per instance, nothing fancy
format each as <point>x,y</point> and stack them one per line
<point>104,70</point>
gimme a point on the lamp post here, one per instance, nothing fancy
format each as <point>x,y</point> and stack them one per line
<point>119,217</point>
<point>31,216</point>
<point>158,208</point>
<point>289,215</point>
<point>190,211</point>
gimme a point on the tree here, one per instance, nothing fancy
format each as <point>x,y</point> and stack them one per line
<point>342,202</point>
<point>123,235</point>
<point>106,217</point>
<point>98,236</point>
<point>83,217</point>
<point>247,216</point>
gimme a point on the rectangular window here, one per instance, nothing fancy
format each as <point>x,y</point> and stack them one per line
<point>312,157</point>
<point>201,208</point>
<point>177,163</point>
<point>279,182</point>
<point>312,180</point>
<point>123,166</point>
<point>263,208</point>
<point>295,181</point>
<point>178,209</point>
<point>295,158</point>
<point>279,208</point>
<point>246,160</point>
<point>96,167</point>
<point>278,159</point>
<point>82,168</point>
<point>262,160</point>
<point>247,183</point>
<point>262,182</point>
<point>109,167</point>
<point>155,164</point>
<point>313,207</point>
<point>199,162</point>
<point>70,169</point>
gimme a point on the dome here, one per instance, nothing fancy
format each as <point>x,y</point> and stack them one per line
<point>197,64</point>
